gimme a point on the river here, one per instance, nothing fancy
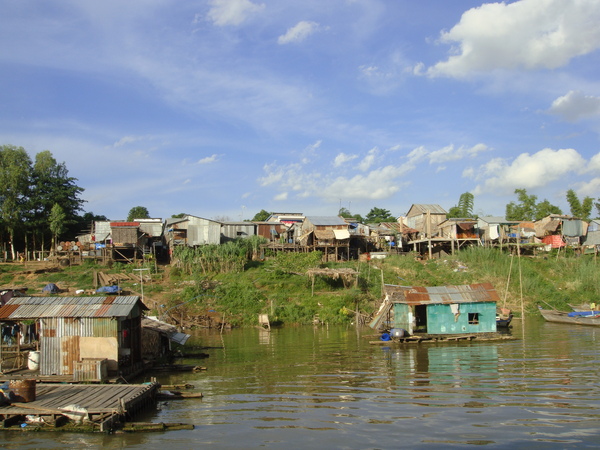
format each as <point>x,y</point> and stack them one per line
<point>327,387</point>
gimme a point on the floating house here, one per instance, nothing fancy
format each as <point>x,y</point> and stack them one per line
<point>438,310</point>
<point>85,338</point>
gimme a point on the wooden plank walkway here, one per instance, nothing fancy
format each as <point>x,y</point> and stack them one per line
<point>104,404</point>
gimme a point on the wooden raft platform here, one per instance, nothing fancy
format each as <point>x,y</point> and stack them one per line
<point>434,339</point>
<point>103,405</point>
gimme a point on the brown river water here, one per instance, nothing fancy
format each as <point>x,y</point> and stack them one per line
<point>327,387</point>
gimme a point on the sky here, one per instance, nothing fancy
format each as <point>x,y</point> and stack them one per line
<point>222,108</point>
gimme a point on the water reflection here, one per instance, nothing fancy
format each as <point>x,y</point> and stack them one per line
<point>327,387</point>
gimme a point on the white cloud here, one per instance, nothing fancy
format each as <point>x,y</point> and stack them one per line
<point>376,185</point>
<point>527,34</point>
<point>274,175</point>
<point>575,105</point>
<point>310,151</point>
<point>232,12</point>
<point>526,171</point>
<point>449,153</point>
<point>590,188</point>
<point>343,158</point>
<point>298,32</point>
<point>281,197</point>
<point>368,160</point>
<point>594,165</point>
<point>209,159</point>
<point>127,140</point>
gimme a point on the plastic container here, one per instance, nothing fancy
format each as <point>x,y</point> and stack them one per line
<point>398,332</point>
<point>33,361</point>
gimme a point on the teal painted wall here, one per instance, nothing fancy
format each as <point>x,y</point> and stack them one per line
<point>440,319</point>
<point>402,317</point>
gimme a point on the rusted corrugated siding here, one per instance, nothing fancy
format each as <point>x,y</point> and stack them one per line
<point>69,354</point>
<point>419,295</point>
<point>50,346</point>
<point>7,311</point>
<point>59,341</point>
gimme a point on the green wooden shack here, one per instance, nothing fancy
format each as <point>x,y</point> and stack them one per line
<point>438,310</point>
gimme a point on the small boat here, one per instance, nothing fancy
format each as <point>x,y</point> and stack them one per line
<point>574,317</point>
<point>503,318</point>
<point>584,307</point>
<point>503,322</point>
<point>177,395</point>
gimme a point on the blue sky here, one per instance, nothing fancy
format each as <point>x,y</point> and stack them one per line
<point>221,108</point>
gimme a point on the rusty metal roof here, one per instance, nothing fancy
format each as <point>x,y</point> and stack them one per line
<point>40,307</point>
<point>418,295</point>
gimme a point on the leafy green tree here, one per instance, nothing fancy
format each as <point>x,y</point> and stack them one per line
<point>545,208</point>
<point>582,210</point>
<point>346,214</point>
<point>464,208</point>
<point>138,212</point>
<point>378,215</point>
<point>179,216</point>
<point>15,172</point>
<point>261,216</point>
<point>57,222</point>
<point>51,185</point>
<point>528,209</point>
<point>525,209</point>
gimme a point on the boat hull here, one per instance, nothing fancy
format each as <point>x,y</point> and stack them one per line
<point>563,317</point>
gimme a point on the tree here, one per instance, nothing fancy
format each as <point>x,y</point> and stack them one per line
<point>15,172</point>
<point>57,222</point>
<point>527,209</point>
<point>545,208</point>
<point>51,185</point>
<point>138,212</point>
<point>346,214</point>
<point>261,216</point>
<point>524,210</point>
<point>378,215</point>
<point>582,210</point>
<point>464,208</point>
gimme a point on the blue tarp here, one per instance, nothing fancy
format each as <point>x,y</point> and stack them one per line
<point>109,289</point>
<point>582,313</point>
<point>51,288</point>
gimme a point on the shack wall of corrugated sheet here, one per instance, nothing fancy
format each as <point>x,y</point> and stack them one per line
<point>402,317</point>
<point>50,356</point>
<point>441,320</point>
<point>50,347</point>
<point>124,235</point>
<point>60,340</point>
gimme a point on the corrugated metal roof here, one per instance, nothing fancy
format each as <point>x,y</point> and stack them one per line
<point>433,209</point>
<point>40,307</point>
<point>167,329</point>
<point>418,295</point>
<point>326,220</point>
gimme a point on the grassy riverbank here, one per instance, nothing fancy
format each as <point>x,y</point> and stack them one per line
<point>290,297</point>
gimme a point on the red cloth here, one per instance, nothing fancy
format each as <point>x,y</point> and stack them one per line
<point>554,240</point>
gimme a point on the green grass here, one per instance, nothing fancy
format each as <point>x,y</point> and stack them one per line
<point>288,297</point>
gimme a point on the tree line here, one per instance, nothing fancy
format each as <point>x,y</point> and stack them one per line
<point>39,201</point>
